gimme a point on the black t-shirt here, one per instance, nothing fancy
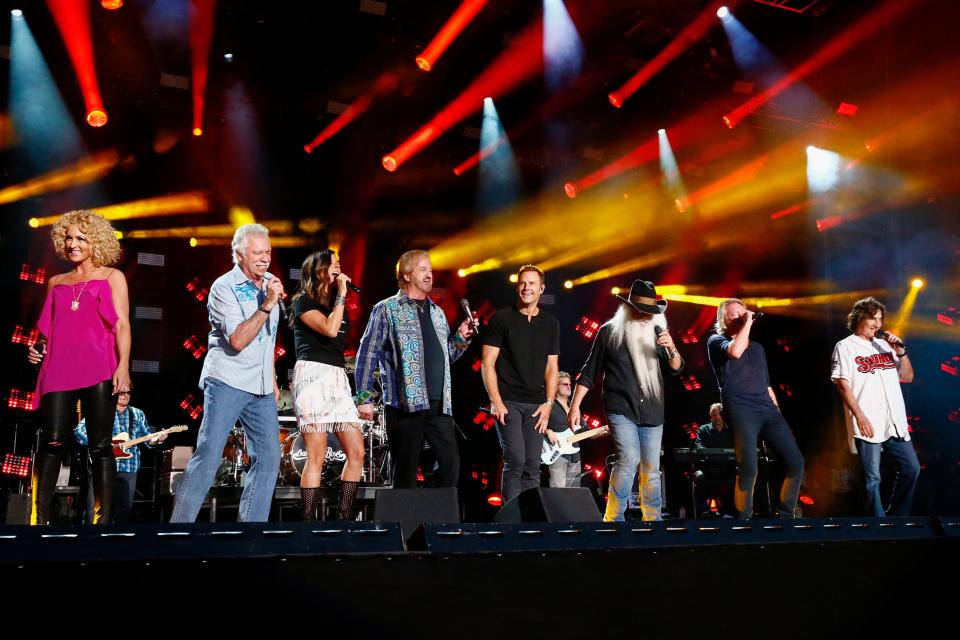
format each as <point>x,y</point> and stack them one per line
<point>311,345</point>
<point>558,423</point>
<point>710,438</point>
<point>433,353</point>
<point>524,346</point>
<point>743,381</point>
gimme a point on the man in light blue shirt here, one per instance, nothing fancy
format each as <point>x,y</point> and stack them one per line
<point>238,380</point>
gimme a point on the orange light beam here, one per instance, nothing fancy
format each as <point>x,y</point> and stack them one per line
<point>684,40</point>
<point>385,84</point>
<point>73,21</point>
<point>81,172</point>
<point>201,35</point>
<point>740,176</point>
<point>878,19</point>
<point>517,64</point>
<point>180,203</point>
<point>467,10</point>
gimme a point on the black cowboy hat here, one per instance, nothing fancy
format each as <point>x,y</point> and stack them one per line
<point>643,297</point>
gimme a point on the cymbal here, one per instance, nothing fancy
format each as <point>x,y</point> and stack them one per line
<point>285,403</point>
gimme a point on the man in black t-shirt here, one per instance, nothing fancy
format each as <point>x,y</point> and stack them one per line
<point>751,407</point>
<point>520,368</point>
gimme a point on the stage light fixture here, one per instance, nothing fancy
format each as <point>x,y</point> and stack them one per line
<point>514,278</point>
<point>917,283</point>
<point>568,284</point>
<point>228,57</point>
<point>462,273</point>
<point>723,12</point>
<point>17,466</point>
<point>111,5</point>
<point>495,500</point>
<point>16,13</point>
<point>97,117</point>
<point>197,131</point>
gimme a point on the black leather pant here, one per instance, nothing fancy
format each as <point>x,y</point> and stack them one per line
<point>58,417</point>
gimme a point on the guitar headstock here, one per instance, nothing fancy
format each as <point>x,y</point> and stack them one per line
<point>604,429</point>
<point>178,428</point>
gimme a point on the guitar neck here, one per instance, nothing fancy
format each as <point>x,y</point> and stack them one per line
<point>126,445</point>
<point>590,433</point>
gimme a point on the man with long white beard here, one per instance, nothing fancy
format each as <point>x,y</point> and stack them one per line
<point>629,350</point>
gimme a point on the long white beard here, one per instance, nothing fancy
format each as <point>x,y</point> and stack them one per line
<point>641,339</point>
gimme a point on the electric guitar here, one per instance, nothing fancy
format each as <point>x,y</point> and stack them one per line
<point>121,442</point>
<point>565,442</point>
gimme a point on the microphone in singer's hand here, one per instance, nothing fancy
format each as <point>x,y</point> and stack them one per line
<point>283,309</point>
<point>757,314</point>
<point>466,309</point>
<point>658,330</point>
<point>353,287</point>
<point>883,334</point>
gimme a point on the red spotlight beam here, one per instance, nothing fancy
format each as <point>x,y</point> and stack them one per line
<point>687,38</point>
<point>73,21</point>
<point>516,65</point>
<point>680,135</point>
<point>201,35</point>
<point>458,21</point>
<point>386,83</point>
<point>875,21</point>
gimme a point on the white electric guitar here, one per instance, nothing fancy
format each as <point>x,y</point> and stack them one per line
<point>122,441</point>
<point>565,441</point>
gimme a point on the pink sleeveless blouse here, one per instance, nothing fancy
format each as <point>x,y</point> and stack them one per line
<point>81,342</point>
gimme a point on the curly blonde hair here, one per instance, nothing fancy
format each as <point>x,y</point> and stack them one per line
<point>104,247</point>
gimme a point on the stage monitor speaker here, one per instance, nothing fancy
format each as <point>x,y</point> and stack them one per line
<point>413,507</point>
<point>18,508</point>
<point>549,504</point>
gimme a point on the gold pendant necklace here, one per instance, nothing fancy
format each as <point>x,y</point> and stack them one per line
<point>75,303</point>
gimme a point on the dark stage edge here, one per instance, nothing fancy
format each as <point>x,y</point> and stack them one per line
<point>686,579</point>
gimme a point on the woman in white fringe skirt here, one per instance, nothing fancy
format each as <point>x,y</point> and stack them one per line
<point>321,391</point>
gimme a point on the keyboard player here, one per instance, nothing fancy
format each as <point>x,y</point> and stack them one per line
<point>718,471</point>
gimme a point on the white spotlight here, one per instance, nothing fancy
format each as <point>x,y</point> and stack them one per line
<point>16,13</point>
<point>661,132</point>
<point>723,12</point>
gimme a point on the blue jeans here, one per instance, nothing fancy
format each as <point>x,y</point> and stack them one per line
<point>638,446</point>
<point>223,405</point>
<point>904,458</point>
<point>564,473</point>
<point>749,424</point>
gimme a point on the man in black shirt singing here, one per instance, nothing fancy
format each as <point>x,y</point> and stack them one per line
<point>628,351</point>
<point>519,367</point>
<point>750,406</point>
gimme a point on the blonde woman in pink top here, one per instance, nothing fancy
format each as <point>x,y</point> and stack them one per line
<point>84,351</point>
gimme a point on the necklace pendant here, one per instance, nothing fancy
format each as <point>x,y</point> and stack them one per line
<point>74,305</point>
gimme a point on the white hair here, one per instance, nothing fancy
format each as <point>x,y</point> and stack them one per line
<point>639,334</point>
<point>240,236</point>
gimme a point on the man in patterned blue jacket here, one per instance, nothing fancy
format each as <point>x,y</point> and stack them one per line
<point>409,342</point>
<point>133,422</point>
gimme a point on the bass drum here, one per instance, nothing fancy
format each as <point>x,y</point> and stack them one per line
<point>293,458</point>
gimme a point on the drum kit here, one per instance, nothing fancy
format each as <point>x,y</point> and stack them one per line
<point>293,450</point>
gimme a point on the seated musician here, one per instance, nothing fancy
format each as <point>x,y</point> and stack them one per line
<point>715,434</point>
<point>715,486</point>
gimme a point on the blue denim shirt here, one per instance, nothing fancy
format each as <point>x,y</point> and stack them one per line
<point>233,299</point>
<point>393,345</point>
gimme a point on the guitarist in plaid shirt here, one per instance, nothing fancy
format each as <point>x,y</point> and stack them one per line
<point>131,421</point>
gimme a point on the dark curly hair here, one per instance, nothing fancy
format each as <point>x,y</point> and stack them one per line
<point>864,308</point>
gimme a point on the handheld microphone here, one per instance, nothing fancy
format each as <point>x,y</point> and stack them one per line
<point>465,304</point>
<point>283,308</point>
<point>670,352</point>
<point>883,334</point>
<point>757,314</point>
<point>353,287</point>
